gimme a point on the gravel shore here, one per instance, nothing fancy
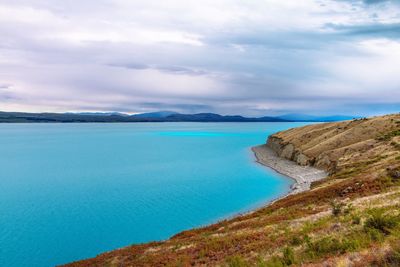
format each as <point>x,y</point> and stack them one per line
<point>303,175</point>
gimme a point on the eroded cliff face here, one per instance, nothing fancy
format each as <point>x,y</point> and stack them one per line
<point>287,150</point>
<point>332,146</point>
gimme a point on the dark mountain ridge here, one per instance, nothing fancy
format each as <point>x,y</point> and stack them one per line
<point>162,116</point>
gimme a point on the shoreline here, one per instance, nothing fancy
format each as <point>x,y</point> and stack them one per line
<point>302,175</point>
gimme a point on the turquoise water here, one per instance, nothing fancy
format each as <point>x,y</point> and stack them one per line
<point>72,191</point>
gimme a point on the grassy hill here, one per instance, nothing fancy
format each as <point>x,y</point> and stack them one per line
<point>351,218</point>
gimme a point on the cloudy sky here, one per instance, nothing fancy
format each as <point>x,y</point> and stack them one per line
<point>253,57</point>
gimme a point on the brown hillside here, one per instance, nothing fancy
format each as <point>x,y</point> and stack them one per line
<point>333,145</point>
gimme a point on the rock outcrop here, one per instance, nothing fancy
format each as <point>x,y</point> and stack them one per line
<point>288,151</point>
<point>330,146</point>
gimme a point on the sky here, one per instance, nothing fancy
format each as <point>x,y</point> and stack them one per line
<point>253,57</point>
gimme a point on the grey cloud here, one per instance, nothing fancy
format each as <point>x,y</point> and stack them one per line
<point>5,86</point>
<point>310,40</point>
<point>134,66</point>
<point>388,30</point>
<point>374,1</point>
<point>181,70</point>
<point>276,39</point>
<point>371,2</point>
<point>189,108</point>
<point>164,68</point>
<point>6,95</point>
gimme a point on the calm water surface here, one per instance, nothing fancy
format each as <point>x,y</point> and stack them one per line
<point>72,191</point>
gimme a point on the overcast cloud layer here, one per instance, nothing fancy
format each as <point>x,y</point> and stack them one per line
<point>254,57</point>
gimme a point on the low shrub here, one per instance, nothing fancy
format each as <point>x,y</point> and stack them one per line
<point>324,246</point>
<point>288,256</point>
<point>236,261</point>
<point>337,208</point>
<point>296,241</point>
<point>384,223</point>
<point>396,145</point>
<point>356,219</point>
<point>388,136</point>
<point>394,172</point>
<point>331,246</point>
<point>287,259</point>
<point>374,234</point>
<point>273,262</point>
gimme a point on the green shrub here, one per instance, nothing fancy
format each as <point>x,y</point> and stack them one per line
<point>381,222</point>
<point>394,173</point>
<point>287,259</point>
<point>274,262</point>
<point>261,262</point>
<point>356,241</point>
<point>396,145</point>
<point>388,136</point>
<point>296,241</point>
<point>330,246</point>
<point>337,208</point>
<point>356,219</point>
<point>288,256</point>
<point>348,209</point>
<point>307,239</point>
<point>236,261</point>
<point>326,245</point>
<point>350,244</point>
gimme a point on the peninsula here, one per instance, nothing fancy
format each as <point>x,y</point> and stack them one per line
<point>351,217</point>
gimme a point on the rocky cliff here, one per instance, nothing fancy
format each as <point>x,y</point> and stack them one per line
<point>332,146</point>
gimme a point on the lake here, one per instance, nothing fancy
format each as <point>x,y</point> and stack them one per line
<point>72,191</point>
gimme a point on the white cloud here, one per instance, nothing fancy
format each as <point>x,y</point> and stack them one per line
<point>222,54</point>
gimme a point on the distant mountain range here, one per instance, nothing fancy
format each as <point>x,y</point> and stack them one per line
<point>161,116</point>
<point>158,114</point>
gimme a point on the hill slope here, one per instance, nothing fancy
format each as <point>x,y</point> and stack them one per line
<point>350,218</point>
